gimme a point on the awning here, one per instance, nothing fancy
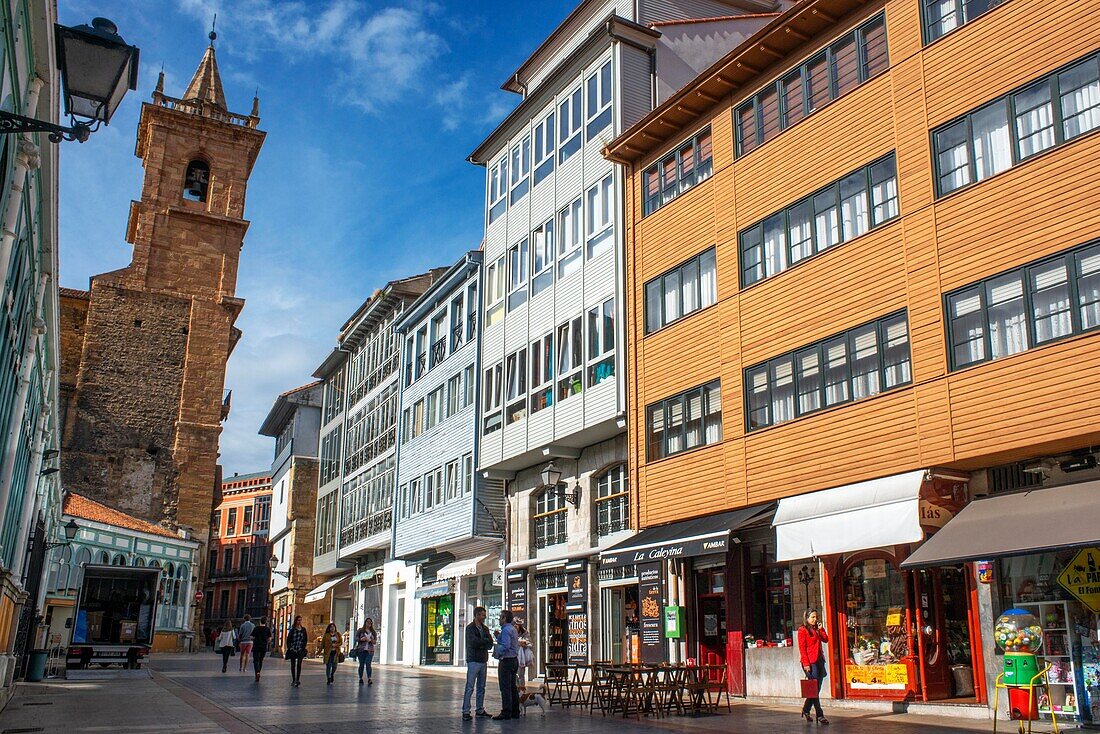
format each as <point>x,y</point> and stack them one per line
<point>1016,523</point>
<point>366,575</point>
<point>881,512</point>
<point>319,593</point>
<point>682,539</point>
<point>427,592</point>
<point>469,567</point>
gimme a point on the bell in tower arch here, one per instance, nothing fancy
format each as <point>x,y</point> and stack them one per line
<point>196,181</point>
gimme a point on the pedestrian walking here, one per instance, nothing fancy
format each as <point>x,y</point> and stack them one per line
<point>507,652</point>
<point>296,650</point>
<point>261,638</point>
<point>479,641</point>
<point>331,643</point>
<point>244,634</point>
<point>225,642</point>
<point>810,636</point>
<point>365,640</point>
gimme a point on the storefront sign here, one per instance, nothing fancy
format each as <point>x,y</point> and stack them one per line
<point>941,498</point>
<point>650,617</point>
<point>517,595</point>
<point>576,581</point>
<point>1081,578</point>
<point>985,572</point>
<point>672,549</point>
<point>894,676</point>
<point>874,568</point>
<point>432,590</point>
<point>578,637</point>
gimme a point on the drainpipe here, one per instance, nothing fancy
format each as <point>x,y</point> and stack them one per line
<point>26,363</point>
<point>30,509</point>
<point>26,159</point>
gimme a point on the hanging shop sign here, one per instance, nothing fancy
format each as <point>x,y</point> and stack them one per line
<point>985,572</point>
<point>1081,577</point>
<point>650,617</point>
<point>517,595</point>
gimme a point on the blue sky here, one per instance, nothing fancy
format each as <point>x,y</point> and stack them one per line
<point>370,110</point>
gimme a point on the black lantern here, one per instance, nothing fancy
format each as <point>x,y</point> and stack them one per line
<point>273,562</point>
<point>97,69</point>
<point>551,477</point>
<point>70,529</point>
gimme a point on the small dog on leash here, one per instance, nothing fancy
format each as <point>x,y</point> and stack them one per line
<point>533,694</point>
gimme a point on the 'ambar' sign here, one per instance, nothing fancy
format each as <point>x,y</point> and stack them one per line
<point>1081,578</point>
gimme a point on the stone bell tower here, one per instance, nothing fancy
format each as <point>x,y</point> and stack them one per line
<point>144,350</point>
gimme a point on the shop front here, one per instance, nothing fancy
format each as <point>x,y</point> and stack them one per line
<point>897,634</point>
<point>437,616</point>
<point>477,582</point>
<point>1039,551</point>
<point>620,607</point>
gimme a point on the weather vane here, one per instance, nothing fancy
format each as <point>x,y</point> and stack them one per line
<point>213,34</point>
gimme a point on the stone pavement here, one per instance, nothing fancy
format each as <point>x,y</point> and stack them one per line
<point>188,693</point>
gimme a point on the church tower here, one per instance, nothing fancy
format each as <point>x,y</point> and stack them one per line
<point>144,350</point>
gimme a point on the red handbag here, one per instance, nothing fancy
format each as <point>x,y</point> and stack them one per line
<point>810,687</point>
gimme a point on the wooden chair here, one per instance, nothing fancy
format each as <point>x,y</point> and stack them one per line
<point>601,697</point>
<point>670,689</point>
<point>557,684</point>
<point>715,686</point>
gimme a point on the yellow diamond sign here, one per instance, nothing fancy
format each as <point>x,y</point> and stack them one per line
<point>1081,577</point>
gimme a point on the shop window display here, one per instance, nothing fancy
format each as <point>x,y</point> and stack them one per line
<point>874,596</point>
<point>771,605</point>
<point>438,630</point>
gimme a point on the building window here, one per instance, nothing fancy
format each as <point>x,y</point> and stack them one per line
<point>521,170</point>
<point>212,561</point>
<point>569,239</point>
<point>435,408</point>
<point>1003,133</point>
<point>542,258</point>
<point>437,337</point>
<point>1041,302</point>
<point>548,523</point>
<point>467,473</point>
<point>612,501</point>
<point>246,527</point>
<point>851,60</point>
<point>458,323</point>
<point>681,291</point>
<point>542,373</point>
<point>570,358</point>
<point>262,522</point>
<point>494,308</point>
<point>569,125</point>
<point>598,89</point>
<point>330,456</point>
<point>690,164</point>
<point>943,16</point>
<point>196,182</point>
<point>498,189</point>
<point>599,217</point>
<point>515,381</point>
<point>842,211</point>
<point>231,523</point>
<point>852,365</point>
<point>493,385</point>
<point>227,560</point>
<point>685,421</point>
<point>240,602</point>
<point>326,525</point>
<point>454,394</point>
<point>517,274</point>
<point>334,396</point>
<point>216,524</point>
<point>468,386</point>
<point>601,342</point>
<point>453,479</point>
<point>416,497</point>
<point>544,148</point>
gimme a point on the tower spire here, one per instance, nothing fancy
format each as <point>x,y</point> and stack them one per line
<point>206,85</point>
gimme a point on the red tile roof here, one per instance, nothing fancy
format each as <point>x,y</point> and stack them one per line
<point>79,506</point>
<point>73,293</point>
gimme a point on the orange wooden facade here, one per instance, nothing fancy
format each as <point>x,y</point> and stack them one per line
<point>1037,402</point>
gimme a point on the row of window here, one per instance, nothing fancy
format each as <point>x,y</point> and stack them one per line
<point>612,509</point>
<point>1007,131</point>
<point>850,61</point>
<point>436,488</point>
<point>583,228</point>
<point>373,361</point>
<point>326,525</point>
<point>852,365</point>
<point>585,111</point>
<point>1051,299</point>
<point>331,444</point>
<point>371,431</point>
<point>260,510</point>
<point>449,328</point>
<point>438,405</point>
<point>943,16</point>
<point>525,380</point>
<point>680,170</point>
<point>366,503</point>
<point>841,211</point>
<point>681,291</point>
<point>685,421</point>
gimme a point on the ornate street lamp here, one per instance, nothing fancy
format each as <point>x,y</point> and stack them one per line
<point>97,69</point>
<point>274,563</point>
<point>551,477</point>
<point>71,529</point>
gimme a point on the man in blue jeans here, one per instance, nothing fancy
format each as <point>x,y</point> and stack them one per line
<point>479,641</point>
<point>507,652</point>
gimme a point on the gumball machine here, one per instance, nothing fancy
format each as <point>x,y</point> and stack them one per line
<point>1019,634</point>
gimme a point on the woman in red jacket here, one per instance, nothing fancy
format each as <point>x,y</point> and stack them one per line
<point>810,636</point>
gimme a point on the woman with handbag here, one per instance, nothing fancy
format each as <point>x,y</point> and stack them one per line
<point>226,642</point>
<point>331,643</point>
<point>296,650</point>
<point>810,637</point>
<point>365,640</point>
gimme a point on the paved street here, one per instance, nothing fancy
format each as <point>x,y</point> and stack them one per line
<point>189,694</point>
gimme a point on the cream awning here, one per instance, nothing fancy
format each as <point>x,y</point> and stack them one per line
<point>319,593</point>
